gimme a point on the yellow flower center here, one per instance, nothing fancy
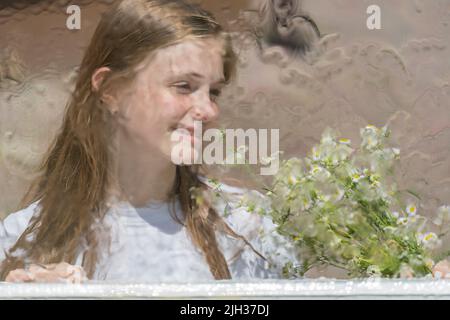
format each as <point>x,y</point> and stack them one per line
<point>428,237</point>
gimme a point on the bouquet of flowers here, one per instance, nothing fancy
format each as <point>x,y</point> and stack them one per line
<point>341,206</point>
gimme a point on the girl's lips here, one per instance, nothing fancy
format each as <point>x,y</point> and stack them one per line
<point>190,129</point>
<point>187,131</point>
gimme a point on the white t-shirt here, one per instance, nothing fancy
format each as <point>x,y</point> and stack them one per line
<point>147,245</point>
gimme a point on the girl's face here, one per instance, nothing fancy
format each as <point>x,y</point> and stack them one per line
<point>179,85</point>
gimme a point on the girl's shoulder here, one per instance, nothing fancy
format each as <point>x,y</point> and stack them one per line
<point>15,223</point>
<point>12,227</point>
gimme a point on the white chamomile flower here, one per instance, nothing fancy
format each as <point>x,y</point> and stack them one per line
<point>242,148</point>
<point>339,194</point>
<point>402,221</point>
<point>319,203</point>
<point>345,141</point>
<point>316,169</point>
<point>292,179</point>
<point>315,154</point>
<point>265,160</point>
<point>366,172</point>
<point>411,210</point>
<point>396,152</point>
<point>385,131</point>
<point>275,157</point>
<point>356,175</point>
<point>429,263</point>
<point>323,197</point>
<point>370,137</point>
<point>306,204</point>
<point>376,184</point>
<point>328,137</point>
<point>373,271</point>
<point>371,142</point>
<point>429,236</point>
<point>319,172</point>
<point>373,178</point>
<point>429,240</point>
<point>369,130</point>
<point>396,214</point>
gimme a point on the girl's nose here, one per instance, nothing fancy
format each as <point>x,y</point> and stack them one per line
<point>204,109</point>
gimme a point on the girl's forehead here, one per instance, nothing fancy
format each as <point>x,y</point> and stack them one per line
<point>192,55</point>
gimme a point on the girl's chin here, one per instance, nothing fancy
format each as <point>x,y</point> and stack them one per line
<point>185,157</point>
<point>182,137</point>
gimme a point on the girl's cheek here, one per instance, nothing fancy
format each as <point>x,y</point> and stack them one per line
<point>179,106</point>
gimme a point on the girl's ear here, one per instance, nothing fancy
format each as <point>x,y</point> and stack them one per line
<point>97,79</point>
<point>98,76</point>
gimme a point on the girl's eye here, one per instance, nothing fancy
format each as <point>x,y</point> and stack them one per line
<point>183,87</point>
<point>215,94</point>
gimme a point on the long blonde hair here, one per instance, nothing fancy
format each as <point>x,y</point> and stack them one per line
<point>74,181</point>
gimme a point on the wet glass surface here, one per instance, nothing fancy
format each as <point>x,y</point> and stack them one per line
<point>348,77</point>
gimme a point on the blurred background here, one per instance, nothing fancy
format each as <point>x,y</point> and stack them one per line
<point>303,66</point>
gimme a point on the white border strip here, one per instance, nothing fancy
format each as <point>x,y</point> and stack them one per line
<point>264,289</point>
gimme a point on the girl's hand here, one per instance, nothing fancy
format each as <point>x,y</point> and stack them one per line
<point>56,272</point>
<point>442,270</point>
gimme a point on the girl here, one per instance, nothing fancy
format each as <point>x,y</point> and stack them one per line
<point>109,203</point>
